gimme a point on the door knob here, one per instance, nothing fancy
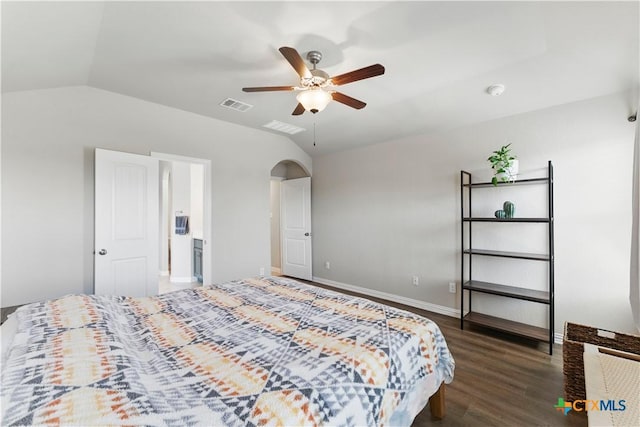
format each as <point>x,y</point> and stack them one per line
<point>102,252</point>
<point>307,234</point>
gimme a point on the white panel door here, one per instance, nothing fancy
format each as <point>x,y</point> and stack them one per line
<point>295,227</point>
<point>126,224</point>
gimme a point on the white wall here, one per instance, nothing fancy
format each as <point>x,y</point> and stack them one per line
<point>165,222</point>
<point>181,249</point>
<point>390,211</point>
<point>275,223</point>
<point>197,198</point>
<point>48,141</point>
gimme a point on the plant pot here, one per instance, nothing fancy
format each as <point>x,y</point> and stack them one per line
<point>511,173</point>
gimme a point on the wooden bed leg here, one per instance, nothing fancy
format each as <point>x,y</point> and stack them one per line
<point>436,403</point>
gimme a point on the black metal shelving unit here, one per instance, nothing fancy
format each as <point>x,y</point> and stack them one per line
<point>469,252</point>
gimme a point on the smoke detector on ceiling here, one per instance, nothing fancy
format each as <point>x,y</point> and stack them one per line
<point>496,89</point>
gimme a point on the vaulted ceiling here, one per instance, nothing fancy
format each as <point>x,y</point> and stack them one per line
<point>439,57</point>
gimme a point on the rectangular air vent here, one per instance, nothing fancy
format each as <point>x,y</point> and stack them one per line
<point>283,127</point>
<point>234,104</point>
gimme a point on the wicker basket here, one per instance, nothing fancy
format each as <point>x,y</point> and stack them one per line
<point>573,346</point>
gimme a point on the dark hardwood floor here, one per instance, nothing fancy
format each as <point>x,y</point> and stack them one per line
<point>500,380</point>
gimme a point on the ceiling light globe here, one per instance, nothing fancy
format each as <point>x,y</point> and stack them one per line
<point>314,100</point>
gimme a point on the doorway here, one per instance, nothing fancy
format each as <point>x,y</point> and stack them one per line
<point>134,197</point>
<point>185,259</point>
<point>290,217</point>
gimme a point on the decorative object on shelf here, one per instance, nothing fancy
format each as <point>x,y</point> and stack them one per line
<point>509,209</point>
<point>504,164</point>
<point>500,214</point>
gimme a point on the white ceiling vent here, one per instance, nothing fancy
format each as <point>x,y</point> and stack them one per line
<point>283,127</point>
<point>234,104</point>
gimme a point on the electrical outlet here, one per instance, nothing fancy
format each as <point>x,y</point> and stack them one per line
<point>262,271</point>
<point>452,287</point>
<point>327,265</point>
<point>415,281</point>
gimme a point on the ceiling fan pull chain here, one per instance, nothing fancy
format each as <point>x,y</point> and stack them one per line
<point>314,134</point>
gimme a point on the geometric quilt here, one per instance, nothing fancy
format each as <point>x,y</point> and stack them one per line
<point>254,352</point>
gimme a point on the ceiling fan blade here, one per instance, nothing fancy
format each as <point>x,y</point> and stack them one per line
<point>266,88</point>
<point>347,100</point>
<point>361,74</point>
<point>296,61</point>
<point>298,110</point>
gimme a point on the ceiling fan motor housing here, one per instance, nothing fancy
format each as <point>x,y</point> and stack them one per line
<point>318,79</point>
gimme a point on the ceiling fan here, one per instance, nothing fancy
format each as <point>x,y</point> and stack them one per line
<point>313,95</point>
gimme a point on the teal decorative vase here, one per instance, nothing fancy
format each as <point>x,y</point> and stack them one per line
<point>500,214</point>
<point>509,209</point>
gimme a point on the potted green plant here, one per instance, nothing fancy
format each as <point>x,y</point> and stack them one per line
<point>504,165</point>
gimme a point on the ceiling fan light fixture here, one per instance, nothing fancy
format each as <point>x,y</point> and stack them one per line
<point>314,100</point>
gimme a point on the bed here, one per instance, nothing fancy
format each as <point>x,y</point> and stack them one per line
<point>253,352</point>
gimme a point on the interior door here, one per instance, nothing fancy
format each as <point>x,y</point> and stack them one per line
<point>126,224</point>
<point>295,226</point>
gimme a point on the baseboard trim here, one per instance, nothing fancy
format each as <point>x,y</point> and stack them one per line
<point>174,279</point>
<point>558,338</point>
<point>440,309</point>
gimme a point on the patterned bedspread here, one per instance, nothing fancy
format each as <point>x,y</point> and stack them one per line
<point>255,352</point>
